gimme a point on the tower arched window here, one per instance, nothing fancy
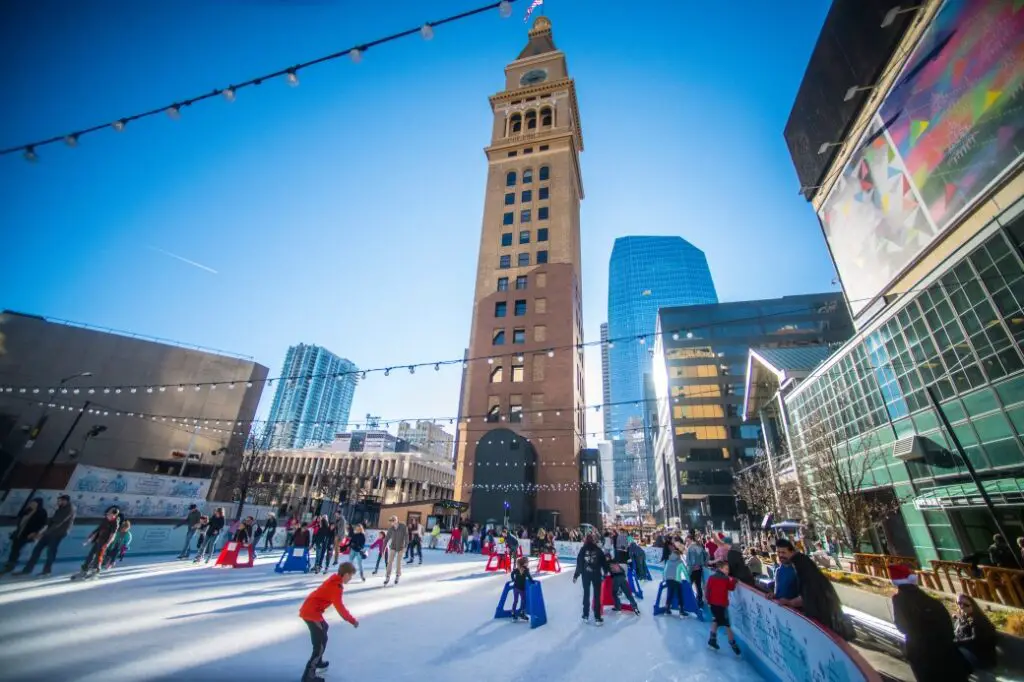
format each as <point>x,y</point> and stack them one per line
<point>545,173</point>
<point>531,120</point>
<point>547,117</point>
<point>510,179</point>
<point>527,176</point>
<point>515,124</point>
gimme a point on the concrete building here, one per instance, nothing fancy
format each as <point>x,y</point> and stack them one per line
<point>699,377</point>
<point>645,274</point>
<point>522,402</point>
<point>313,398</point>
<point>428,437</point>
<point>201,400</point>
<point>369,440</point>
<point>916,180</point>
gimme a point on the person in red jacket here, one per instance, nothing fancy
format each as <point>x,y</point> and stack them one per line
<point>717,593</point>
<point>312,612</point>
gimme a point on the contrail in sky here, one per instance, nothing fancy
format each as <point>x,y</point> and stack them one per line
<point>184,260</point>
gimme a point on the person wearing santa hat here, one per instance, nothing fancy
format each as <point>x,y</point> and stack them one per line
<point>926,624</point>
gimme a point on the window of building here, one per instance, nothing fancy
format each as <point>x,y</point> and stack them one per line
<point>546,117</point>
<point>520,308</point>
<point>527,176</point>
<point>543,193</point>
<point>531,120</point>
<point>524,260</point>
<point>512,154</point>
<point>508,218</point>
<point>540,305</point>
<point>544,147</point>
<point>515,409</point>
<point>506,239</point>
<point>545,173</point>
<point>518,336</point>
<point>510,198</point>
<point>518,374</point>
<point>503,284</point>
<point>500,309</point>
<point>505,262</point>
<point>497,374</point>
<point>524,216</point>
<point>538,363</point>
<point>516,123</point>
<point>542,213</point>
<point>527,196</point>
<point>521,282</point>
<point>542,257</point>
<point>510,179</point>
<point>499,338</point>
<point>542,280</point>
<point>540,333</point>
<point>524,236</point>
<point>542,234</point>
<point>528,150</point>
<point>493,408</point>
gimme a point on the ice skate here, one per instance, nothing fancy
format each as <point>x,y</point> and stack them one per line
<point>713,643</point>
<point>396,579</point>
<point>322,665</point>
<point>585,619</point>
<point>386,581</point>
<point>735,648</point>
<point>599,621</point>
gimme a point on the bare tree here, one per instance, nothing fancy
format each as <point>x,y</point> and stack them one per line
<point>762,494</point>
<point>245,475</point>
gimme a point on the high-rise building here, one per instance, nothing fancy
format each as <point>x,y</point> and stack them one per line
<point>313,398</point>
<point>522,418</point>
<point>699,375</point>
<point>428,437</point>
<point>606,387</point>
<point>644,274</point>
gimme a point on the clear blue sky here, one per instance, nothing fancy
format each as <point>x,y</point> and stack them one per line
<point>346,212</point>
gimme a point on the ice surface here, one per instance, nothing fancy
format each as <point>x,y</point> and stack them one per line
<point>173,621</point>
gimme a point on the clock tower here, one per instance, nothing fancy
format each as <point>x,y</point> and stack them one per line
<point>522,411</point>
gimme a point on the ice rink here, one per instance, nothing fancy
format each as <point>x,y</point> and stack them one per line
<point>168,620</point>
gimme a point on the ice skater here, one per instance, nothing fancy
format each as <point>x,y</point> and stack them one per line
<point>620,584</point>
<point>99,540</point>
<point>673,580</point>
<point>357,547</point>
<point>119,545</point>
<point>312,612</point>
<point>591,565</point>
<point>323,541</point>
<point>269,528</point>
<point>381,545</point>
<point>397,538</point>
<point>717,593</point>
<point>213,529</point>
<point>520,577</point>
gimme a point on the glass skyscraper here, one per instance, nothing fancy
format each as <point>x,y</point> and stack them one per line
<point>644,274</point>
<point>313,399</point>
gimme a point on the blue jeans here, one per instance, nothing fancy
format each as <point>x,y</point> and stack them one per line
<point>357,561</point>
<point>50,544</point>
<point>187,549</point>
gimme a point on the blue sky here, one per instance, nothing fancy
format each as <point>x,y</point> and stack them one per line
<point>346,211</point>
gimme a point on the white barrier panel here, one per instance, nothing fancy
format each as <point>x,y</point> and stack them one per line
<point>92,505</point>
<point>784,645</point>
<point>89,479</point>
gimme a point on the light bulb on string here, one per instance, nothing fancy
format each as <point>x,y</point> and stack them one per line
<point>119,125</point>
<point>292,78</point>
<point>174,111</point>
<point>229,93</point>
<point>412,369</point>
<point>437,367</point>
<point>30,154</point>
<point>163,388</point>
<point>356,55</point>
<point>504,9</point>
<point>387,371</point>
<point>551,353</point>
<point>675,336</point>
<point>427,31</point>
<point>71,140</point>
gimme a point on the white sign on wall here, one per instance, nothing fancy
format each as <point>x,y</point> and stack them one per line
<point>99,480</point>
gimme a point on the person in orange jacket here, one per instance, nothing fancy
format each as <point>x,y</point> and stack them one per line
<point>312,612</point>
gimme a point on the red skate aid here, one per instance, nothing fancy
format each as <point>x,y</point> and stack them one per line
<point>230,556</point>
<point>499,562</point>
<point>548,562</point>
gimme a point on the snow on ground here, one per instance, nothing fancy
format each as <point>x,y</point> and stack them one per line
<point>168,620</point>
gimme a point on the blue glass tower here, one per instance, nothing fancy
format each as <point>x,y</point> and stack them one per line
<point>313,398</point>
<point>644,274</point>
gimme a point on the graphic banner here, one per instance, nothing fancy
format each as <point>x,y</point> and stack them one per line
<point>99,480</point>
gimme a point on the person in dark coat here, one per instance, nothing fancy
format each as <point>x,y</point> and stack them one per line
<point>213,530</point>
<point>817,599</point>
<point>1000,554</point>
<point>591,565</point>
<point>101,539</point>
<point>31,522</point>
<point>974,633</point>
<point>931,650</point>
<point>269,528</point>
<point>57,528</point>
<point>738,568</point>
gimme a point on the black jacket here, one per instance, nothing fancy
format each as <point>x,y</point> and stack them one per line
<point>738,567</point>
<point>216,525</point>
<point>270,525</point>
<point>511,543</point>
<point>61,522</point>
<point>931,650</point>
<point>324,535</point>
<point>357,541</point>
<point>242,534</point>
<point>104,532</point>
<point>520,578</point>
<point>591,562</point>
<point>34,522</point>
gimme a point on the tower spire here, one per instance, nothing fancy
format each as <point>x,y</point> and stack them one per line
<point>541,40</point>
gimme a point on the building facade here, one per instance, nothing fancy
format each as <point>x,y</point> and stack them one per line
<point>153,405</point>
<point>645,274</point>
<point>699,377</point>
<point>428,437</point>
<point>522,402</point>
<point>606,386</point>
<point>313,398</point>
<point>924,218</point>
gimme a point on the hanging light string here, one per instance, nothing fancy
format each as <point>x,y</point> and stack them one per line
<point>517,355</point>
<point>289,74</point>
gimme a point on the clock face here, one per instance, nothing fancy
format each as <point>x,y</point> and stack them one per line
<point>533,77</point>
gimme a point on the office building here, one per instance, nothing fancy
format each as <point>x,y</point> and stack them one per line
<point>606,386</point>
<point>313,398</point>
<point>699,377</point>
<point>428,437</point>
<point>645,274</point>
<point>919,192</point>
<point>203,402</point>
<point>522,419</point>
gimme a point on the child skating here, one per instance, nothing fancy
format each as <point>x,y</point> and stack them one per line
<point>119,545</point>
<point>312,612</point>
<point>717,593</point>
<point>520,577</point>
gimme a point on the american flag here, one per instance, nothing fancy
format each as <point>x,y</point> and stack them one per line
<point>529,10</point>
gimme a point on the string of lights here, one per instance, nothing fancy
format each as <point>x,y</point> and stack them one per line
<point>289,75</point>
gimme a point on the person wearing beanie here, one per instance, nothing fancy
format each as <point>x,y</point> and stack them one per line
<point>31,522</point>
<point>926,624</point>
<point>57,528</point>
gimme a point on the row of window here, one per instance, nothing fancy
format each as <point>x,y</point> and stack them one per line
<point>501,308</point>
<point>525,215</point>
<point>547,118</point>
<point>520,283</point>
<point>540,334</point>
<point>523,260</point>
<point>528,150</point>
<point>527,196</point>
<point>544,174</point>
<point>524,237</point>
